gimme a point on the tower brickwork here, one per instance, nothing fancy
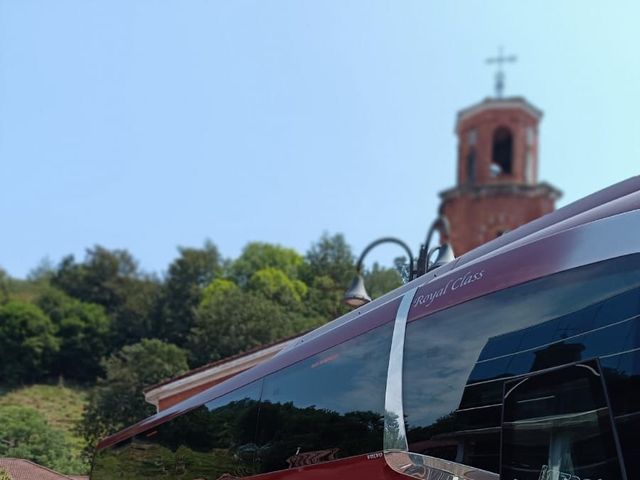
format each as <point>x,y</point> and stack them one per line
<point>497,173</point>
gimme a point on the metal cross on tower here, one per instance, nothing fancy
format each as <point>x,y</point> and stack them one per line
<point>500,60</point>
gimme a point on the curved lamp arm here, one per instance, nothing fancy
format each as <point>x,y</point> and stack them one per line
<point>356,295</point>
<point>444,227</point>
<point>375,243</point>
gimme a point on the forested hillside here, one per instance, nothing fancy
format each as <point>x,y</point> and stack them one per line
<point>103,324</point>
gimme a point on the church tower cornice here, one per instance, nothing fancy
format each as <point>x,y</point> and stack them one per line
<point>490,104</point>
<point>542,189</point>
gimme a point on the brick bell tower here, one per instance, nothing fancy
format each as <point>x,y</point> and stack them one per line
<point>498,188</point>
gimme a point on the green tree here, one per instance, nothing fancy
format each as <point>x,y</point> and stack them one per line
<point>84,330</point>
<point>328,270</point>
<point>273,284</point>
<point>25,433</point>
<point>117,400</point>
<point>216,291</point>
<point>100,279</point>
<point>43,271</point>
<point>28,343</point>
<point>4,286</point>
<point>380,280</point>
<point>230,320</point>
<point>324,300</point>
<point>257,256</point>
<point>330,256</point>
<point>111,278</point>
<point>188,275</point>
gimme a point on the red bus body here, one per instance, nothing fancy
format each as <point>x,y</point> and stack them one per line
<point>521,362</point>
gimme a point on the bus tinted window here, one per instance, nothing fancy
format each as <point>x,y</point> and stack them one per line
<point>456,361</point>
<point>622,376</point>
<point>211,441</point>
<point>326,407</point>
<point>557,424</point>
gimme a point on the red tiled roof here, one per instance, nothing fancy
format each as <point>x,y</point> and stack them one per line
<point>20,469</point>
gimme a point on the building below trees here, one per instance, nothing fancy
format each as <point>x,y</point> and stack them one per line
<point>20,469</point>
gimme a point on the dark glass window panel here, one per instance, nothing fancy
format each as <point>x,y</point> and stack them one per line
<point>479,417</point>
<point>482,394</point>
<point>326,407</point>
<point>542,334</point>
<point>575,323</point>
<point>608,340</point>
<point>603,341</point>
<point>209,442</point>
<point>489,370</point>
<point>622,377</point>
<point>558,424</point>
<point>601,314</point>
<point>502,345</point>
<point>521,363</point>
<point>620,307</point>
<point>445,376</point>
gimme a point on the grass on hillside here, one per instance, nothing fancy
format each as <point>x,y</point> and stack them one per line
<point>62,406</point>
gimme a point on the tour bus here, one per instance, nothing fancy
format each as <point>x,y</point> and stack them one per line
<point>519,360</point>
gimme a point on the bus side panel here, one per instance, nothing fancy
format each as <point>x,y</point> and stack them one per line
<point>362,467</point>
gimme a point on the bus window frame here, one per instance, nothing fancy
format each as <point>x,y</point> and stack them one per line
<point>395,445</point>
<point>614,430</point>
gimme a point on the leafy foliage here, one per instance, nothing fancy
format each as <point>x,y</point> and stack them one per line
<point>84,330</point>
<point>328,269</point>
<point>62,407</point>
<point>230,320</point>
<point>381,280</point>
<point>69,320</point>
<point>188,275</point>
<point>100,279</point>
<point>24,433</point>
<point>110,278</point>
<point>27,343</point>
<point>257,256</point>
<point>4,286</point>
<point>274,285</point>
<point>117,400</point>
<point>331,257</point>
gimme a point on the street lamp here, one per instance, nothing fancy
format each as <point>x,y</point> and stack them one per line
<point>445,251</point>
<point>357,295</point>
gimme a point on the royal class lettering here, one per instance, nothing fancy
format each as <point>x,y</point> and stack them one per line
<point>468,278</point>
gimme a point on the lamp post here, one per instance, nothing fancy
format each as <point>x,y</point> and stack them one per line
<point>356,295</point>
<point>445,251</point>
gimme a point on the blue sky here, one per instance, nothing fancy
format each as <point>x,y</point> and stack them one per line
<point>148,124</point>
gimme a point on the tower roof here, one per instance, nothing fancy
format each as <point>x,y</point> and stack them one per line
<point>490,103</point>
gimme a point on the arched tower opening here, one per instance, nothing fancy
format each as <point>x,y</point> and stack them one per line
<point>502,152</point>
